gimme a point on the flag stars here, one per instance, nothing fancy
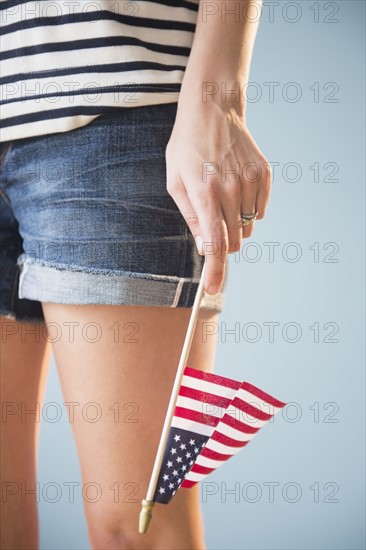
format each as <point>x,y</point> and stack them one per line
<point>182,452</point>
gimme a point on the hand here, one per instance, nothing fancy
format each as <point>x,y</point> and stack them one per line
<point>215,172</point>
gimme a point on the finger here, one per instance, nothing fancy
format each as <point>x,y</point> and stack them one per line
<point>254,178</point>
<point>264,192</point>
<point>215,243</point>
<point>203,214</point>
<point>248,206</point>
<point>248,230</point>
<point>179,194</point>
<point>230,204</point>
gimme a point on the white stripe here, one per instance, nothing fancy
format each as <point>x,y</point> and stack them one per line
<point>209,387</point>
<point>199,406</point>
<point>220,448</point>
<point>87,30</point>
<point>228,431</point>
<point>209,462</point>
<point>84,81</point>
<point>197,427</point>
<point>257,402</point>
<point>245,418</point>
<point>193,476</point>
<point>151,10</point>
<point>65,124</point>
<point>89,56</point>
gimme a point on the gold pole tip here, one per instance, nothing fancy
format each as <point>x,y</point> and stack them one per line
<point>145,515</point>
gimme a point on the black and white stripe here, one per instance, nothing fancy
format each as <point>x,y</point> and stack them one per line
<point>64,63</point>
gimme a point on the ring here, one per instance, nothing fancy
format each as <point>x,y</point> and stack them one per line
<point>248,218</point>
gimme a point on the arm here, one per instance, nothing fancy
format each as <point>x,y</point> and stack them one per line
<point>210,146</point>
<point>222,49</point>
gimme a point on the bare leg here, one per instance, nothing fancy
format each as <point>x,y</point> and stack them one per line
<point>129,383</point>
<point>24,367</point>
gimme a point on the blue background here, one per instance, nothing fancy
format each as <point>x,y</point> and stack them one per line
<point>314,450</point>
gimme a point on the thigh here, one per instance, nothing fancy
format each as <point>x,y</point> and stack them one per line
<point>120,382</point>
<point>25,357</point>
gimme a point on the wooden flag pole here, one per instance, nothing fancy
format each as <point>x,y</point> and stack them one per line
<point>148,503</point>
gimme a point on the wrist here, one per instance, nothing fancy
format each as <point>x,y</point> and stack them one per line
<point>228,94</point>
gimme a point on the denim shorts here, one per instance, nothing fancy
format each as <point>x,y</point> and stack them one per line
<point>85,218</point>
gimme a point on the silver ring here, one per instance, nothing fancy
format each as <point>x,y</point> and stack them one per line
<point>246,219</point>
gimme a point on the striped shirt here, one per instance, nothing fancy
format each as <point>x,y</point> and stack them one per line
<point>63,63</point>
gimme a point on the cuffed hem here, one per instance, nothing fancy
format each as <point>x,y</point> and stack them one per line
<point>57,283</point>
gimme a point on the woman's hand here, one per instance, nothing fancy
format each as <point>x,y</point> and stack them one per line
<point>215,172</point>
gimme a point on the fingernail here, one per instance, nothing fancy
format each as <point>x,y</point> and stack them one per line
<point>213,289</point>
<point>199,244</point>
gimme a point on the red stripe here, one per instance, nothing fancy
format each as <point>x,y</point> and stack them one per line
<point>238,425</point>
<point>262,395</point>
<point>213,378</point>
<point>249,409</point>
<point>205,397</point>
<point>225,440</point>
<point>209,453</point>
<point>187,484</point>
<point>207,419</point>
<point>198,469</point>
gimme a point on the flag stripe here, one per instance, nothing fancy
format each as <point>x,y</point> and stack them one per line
<point>257,402</point>
<point>238,425</point>
<point>249,420</point>
<point>214,455</point>
<point>199,417</point>
<point>187,483</point>
<point>263,395</point>
<point>210,387</point>
<point>221,438</point>
<point>196,405</point>
<point>198,469</point>
<point>207,462</point>
<point>191,426</point>
<point>205,397</point>
<point>220,447</point>
<point>249,409</point>
<point>194,476</point>
<point>210,377</point>
<point>232,433</point>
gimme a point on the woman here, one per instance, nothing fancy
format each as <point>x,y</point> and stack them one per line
<point>126,163</point>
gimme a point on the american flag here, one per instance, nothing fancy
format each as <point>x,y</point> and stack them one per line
<point>204,434</point>
<point>249,411</point>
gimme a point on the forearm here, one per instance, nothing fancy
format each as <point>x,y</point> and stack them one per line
<point>222,50</point>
